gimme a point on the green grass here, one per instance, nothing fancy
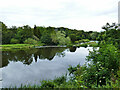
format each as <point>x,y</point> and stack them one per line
<point>90,44</point>
<point>12,45</point>
<point>15,46</point>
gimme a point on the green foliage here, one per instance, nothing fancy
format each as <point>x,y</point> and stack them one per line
<point>107,54</point>
<point>69,45</point>
<point>73,37</point>
<point>48,35</point>
<point>62,39</point>
<point>54,38</point>
<point>111,34</point>
<point>30,41</point>
<point>84,45</point>
<point>16,46</point>
<point>53,83</point>
<point>76,42</point>
<point>93,44</point>
<point>84,40</point>
<point>60,80</point>
<point>46,38</point>
<point>24,33</point>
<point>47,84</point>
<point>14,41</point>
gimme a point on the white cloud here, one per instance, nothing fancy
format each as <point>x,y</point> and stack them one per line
<point>75,14</point>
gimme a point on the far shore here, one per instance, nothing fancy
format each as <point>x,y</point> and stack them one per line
<point>27,46</point>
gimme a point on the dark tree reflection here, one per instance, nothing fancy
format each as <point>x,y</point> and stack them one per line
<point>26,56</point>
<point>72,49</point>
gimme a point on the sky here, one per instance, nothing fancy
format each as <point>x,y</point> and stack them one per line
<point>88,15</point>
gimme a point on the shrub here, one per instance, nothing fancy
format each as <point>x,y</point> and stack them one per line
<point>83,45</point>
<point>14,41</point>
<point>47,84</point>
<point>30,41</point>
<point>84,40</point>
<point>107,54</point>
<point>60,80</point>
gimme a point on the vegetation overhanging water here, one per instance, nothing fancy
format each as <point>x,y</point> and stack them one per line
<point>102,72</point>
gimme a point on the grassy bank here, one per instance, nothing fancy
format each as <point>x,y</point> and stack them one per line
<point>15,46</point>
<point>90,44</point>
<point>23,46</point>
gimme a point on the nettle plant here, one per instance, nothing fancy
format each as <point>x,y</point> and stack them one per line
<point>104,63</point>
<point>108,55</point>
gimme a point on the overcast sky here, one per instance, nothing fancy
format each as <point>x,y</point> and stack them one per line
<point>88,15</point>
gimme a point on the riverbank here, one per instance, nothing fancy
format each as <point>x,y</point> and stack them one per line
<point>26,46</point>
<point>15,46</point>
<point>87,44</point>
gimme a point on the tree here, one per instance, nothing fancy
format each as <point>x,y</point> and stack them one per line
<point>61,38</point>
<point>24,33</point>
<point>46,38</point>
<point>30,41</point>
<point>111,35</point>
<point>14,41</point>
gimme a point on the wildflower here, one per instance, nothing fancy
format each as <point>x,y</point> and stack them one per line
<point>98,62</point>
<point>112,69</point>
<point>103,77</point>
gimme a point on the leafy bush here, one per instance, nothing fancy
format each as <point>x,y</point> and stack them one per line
<point>107,54</point>
<point>14,41</point>
<point>83,45</point>
<point>47,84</point>
<point>60,80</point>
<point>84,40</point>
<point>30,41</point>
<point>76,42</point>
<point>46,38</point>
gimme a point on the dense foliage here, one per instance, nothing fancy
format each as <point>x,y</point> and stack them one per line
<point>47,35</point>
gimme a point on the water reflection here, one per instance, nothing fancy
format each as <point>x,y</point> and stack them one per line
<point>31,66</point>
<point>26,56</point>
<point>72,49</point>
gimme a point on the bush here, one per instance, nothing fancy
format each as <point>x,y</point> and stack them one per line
<point>30,41</point>
<point>70,45</point>
<point>83,45</point>
<point>14,41</point>
<point>107,54</point>
<point>84,40</point>
<point>47,84</point>
<point>76,42</point>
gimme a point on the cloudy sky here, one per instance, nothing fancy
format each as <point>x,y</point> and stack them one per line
<point>75,14</point>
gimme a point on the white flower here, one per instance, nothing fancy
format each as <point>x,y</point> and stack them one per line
<point>98,62</point>
<point>112,69</point>
<point>100,81</point>
<point>103,77</point>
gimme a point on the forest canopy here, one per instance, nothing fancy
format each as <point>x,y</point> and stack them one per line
<point>47,35</point>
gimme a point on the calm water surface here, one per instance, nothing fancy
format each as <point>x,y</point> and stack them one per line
<point>31,66</point>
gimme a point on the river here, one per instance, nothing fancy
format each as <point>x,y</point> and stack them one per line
<point>30,66</point>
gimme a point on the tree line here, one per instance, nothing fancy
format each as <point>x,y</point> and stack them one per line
<point>45,35</point>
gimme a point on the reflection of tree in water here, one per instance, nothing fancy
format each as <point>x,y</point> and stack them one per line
<point>26,56</point>
<point>72,49</point>
<point>48,53</point>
